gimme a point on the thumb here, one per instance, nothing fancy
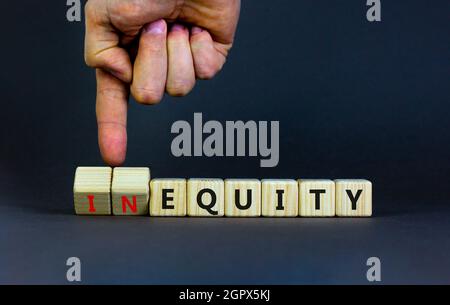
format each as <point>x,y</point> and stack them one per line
<point>102,43</point>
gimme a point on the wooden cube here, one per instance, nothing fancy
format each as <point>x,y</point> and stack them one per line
<point>353,198</point>
<point>130,190</point>
<point>317,198</point>
<point>205,197</point>
<point>92,190</point>
<point>279,198</point>
<point>242,197</point>
<point>168,197</point>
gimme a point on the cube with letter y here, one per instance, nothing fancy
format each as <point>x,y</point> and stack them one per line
<point>92,190</point>
<point>168,197</point>
<point>353,198</point>
<point>205,197</point>
<point>130,190</point>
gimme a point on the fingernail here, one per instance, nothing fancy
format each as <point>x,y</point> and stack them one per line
<point>196,30</point>
<point>156,27</point>
<point>177,27</point>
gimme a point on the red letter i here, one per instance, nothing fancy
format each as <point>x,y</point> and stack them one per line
<point>91,204</point>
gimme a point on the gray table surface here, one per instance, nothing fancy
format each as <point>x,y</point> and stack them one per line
<point>413,244</point>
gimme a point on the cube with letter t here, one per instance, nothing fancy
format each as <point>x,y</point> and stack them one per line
<point>317,198</point>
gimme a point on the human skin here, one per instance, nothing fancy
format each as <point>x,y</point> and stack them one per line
<point>148,47</point>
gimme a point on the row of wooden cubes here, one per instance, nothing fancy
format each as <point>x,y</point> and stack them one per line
<point>130,191</point>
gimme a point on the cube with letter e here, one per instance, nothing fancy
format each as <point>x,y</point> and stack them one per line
<point>168,197</point>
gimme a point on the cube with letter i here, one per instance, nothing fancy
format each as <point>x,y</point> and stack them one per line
<point>130,190</point>
<point>242,197</point>
<point>205,197</point>
<point>168,197</point>
<point>316,198</point>
<point>92,190</point>
<point>353,198</point>
<point>279,198</point>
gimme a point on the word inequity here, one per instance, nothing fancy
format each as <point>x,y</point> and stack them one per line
<point>130,191</point>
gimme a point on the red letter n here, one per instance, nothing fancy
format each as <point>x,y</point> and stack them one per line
<point>126,202</point>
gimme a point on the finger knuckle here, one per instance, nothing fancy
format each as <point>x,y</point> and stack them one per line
<point>89,60</point>
<point>90,8</point>
<point>147,96</point>
<point>206,73</point>
<point>109,60</point>
<point>111,93</point>
<point>129,9</point>
<point>180,87</point>
<point>153,46</point>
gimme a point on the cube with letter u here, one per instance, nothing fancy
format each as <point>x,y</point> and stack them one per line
<point>242,197</point>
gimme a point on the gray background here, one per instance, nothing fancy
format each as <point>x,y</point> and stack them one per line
<point>354,99</point>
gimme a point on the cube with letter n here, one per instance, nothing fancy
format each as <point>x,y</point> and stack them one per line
<point>130,190</point>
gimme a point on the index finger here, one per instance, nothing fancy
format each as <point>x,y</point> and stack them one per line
<point>111,109</point>
<point>102,45</point>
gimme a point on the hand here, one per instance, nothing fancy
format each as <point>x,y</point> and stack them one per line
<point>178,41</point>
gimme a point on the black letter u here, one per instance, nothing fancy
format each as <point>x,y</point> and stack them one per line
<point>238,202</point>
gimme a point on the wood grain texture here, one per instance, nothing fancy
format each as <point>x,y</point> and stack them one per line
<point>130,190</point>
<point>92,190</point>
<point>200,194</point>
<point>279,198</point>
<point>168,197</point>
<point>242,198</point>
<point>357,190</point>
<point>317,198</point>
